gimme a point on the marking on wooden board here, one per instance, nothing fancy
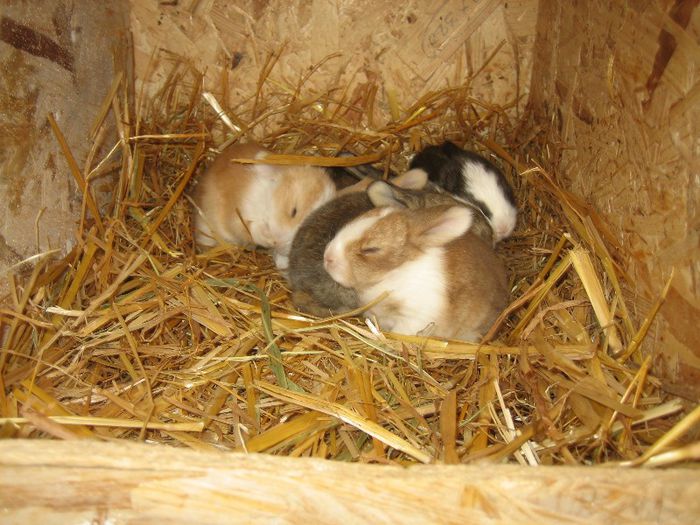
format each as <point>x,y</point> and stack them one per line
<point>30,41</point>
<point>449,26</point>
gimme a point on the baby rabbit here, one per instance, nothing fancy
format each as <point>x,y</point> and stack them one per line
<point>474,178</point>
<point>313,290</point>
<point>256,204</point>
<point>438,275</point>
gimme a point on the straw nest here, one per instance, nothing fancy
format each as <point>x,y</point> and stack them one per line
<point>134,335</point>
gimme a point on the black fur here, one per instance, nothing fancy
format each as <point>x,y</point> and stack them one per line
<point>349,175</point>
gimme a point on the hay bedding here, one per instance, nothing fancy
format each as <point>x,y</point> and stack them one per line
<point>133,335</point>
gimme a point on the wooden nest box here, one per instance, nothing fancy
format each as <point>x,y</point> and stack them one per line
<point>142,380</point>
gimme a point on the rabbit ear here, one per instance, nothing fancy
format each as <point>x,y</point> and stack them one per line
<point>414,179</point>
<point>447,226</point>
<point>382,194</point>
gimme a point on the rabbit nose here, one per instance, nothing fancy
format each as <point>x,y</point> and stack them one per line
<point>335,264</point>
<point>328,258</point>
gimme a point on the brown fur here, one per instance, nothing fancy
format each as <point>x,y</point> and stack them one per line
<point>358,186</point>
<point>477,285</point>
<point>369,268</point>
<point>304,196</point>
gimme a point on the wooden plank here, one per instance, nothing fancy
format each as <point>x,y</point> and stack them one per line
<point>124,482</point>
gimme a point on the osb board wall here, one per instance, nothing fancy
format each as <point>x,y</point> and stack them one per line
<point>620,80</point>
<point>55,57</point>
<point>402,48</point>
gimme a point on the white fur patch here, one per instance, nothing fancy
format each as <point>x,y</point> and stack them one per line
<point>256,214</point>
<point>265,170</point>
<point>327,194</point>
<point>482,183</point>
<point>355,229</point>
<point>414,179</point>
<point>281,260</point>
<point>418,287</point>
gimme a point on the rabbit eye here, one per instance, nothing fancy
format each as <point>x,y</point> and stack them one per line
<point>369,250</point>
<point>294,212</point>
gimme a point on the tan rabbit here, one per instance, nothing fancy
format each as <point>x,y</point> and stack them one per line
<point>257,204</point>
<point>440,278</point>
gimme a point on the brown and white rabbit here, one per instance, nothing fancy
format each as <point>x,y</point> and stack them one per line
<point>257,204</point>
<point>471,177</point>
<point>313,290</point>
<point>438,275</point>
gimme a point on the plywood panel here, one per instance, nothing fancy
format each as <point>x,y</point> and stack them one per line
<point>409,48</point>
<point>619,82</point>
<point>55,57</point>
